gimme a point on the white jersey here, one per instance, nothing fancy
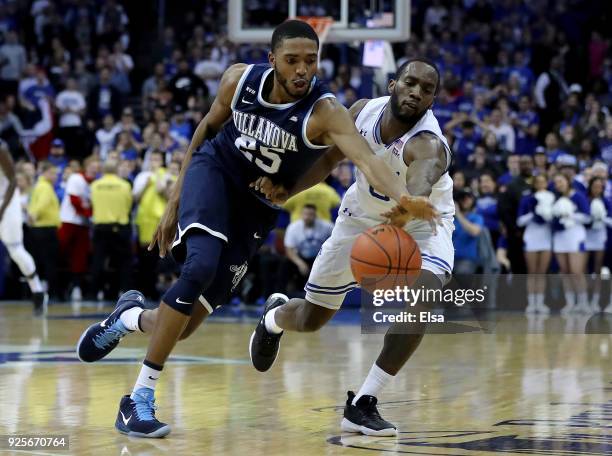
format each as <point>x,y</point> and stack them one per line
<point>77,186</point>
<point>361,198</point>
<point>331,277</point>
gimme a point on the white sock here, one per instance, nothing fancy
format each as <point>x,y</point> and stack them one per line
<point>539,299</point>
<point>570,299</point>
<point>34,283</point>
<point>146,379</point>
<point>376,380</point>
<point>583,299</point>
<point>270,323</point>
<point>130,318</point>
<point>595,301</point>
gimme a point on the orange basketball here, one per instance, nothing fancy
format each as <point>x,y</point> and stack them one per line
<point>385,255</point>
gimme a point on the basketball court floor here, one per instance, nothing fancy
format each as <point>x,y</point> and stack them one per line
<point>465,394</point>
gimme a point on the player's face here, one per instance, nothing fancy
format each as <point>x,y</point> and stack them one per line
<point>295,64</point>
<point>561,184</point>
<point>413,93</point>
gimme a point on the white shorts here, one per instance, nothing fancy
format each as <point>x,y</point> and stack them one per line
<point>596,239</point>
<point>537,238</point>
<point>570,240</point>
<point>11,229</point>
<point>331,277</point>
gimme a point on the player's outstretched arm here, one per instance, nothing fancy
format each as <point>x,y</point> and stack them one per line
<point>426,159</point>
<point>220,111</point>
<point>337,127</point>
<point>278,194</point>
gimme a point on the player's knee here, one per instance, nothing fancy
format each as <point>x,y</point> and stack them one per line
<point>199,271</point>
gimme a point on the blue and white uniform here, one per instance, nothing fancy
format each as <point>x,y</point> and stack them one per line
<point>571,214</point>
<point>331,277</point>
<point>601,219</point>
<point>535,214</point>
<point>261,138</point>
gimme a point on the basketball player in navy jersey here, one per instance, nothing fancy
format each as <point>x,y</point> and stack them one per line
<point>281,121</point>
<point>404,130</point>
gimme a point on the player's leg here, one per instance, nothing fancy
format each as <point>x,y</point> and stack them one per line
<point>361,414</point>
<point>11,234</point>
<point>329,281</point>
<point>136,415</point>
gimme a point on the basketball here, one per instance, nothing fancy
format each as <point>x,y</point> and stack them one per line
<point>385,254</point>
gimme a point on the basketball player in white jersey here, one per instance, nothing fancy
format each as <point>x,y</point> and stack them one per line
<point>11,229</point>
<point>403,129</point>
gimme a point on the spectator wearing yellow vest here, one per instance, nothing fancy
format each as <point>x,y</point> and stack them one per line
<point>44,214</point>
<point>151,190</point>
<point>111,201</point>
<point>322,196</point>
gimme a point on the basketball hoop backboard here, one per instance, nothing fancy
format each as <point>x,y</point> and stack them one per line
<point>354,20</point>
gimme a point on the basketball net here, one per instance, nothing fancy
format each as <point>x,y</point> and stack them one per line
<point>320,24</point>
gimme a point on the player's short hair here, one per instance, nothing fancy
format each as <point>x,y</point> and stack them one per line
<point>310,206</point>
<point>292,29</point>
<point>426,61</point>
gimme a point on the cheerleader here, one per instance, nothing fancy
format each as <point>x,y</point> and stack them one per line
<point>571,213</point>
<point>536,214</point>
<point>596,233</point>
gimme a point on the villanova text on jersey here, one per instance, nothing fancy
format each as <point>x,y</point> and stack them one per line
<point>264,138</point>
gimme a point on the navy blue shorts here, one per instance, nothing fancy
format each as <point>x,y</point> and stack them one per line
<point>213,202</point>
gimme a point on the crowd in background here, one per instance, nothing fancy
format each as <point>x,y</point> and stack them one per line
<point>525,93</point>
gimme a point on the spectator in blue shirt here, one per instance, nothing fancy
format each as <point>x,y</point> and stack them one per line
<point>468,226</point>
<point>486,205</point>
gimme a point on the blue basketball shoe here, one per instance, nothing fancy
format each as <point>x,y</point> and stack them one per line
<point>102,337</point>
<point>136,417</point>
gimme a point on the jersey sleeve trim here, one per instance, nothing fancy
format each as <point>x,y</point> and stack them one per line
<point>305,123</point>
<point>238,90</point>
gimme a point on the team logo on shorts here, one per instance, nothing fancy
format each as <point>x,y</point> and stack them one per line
<point>239,272</point>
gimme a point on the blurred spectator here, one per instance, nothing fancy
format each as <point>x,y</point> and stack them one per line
<point>303,240</point>
<point>75,213</point>
<point>151,86</point>
<point>104,98</point>
<point>503,131</point>
<point>12,63</point>
<point>71,105</point>
<point>185,85</point>
<point>468,226</point>
<point>44,213</point>
<point>550,90</point>
<point>123,64</point>
<point>152,196</point>
<point>486,205</point>
<point>105,136</point>
<point>508,208</point>
<point>321,196</point>
<point>111,199</point>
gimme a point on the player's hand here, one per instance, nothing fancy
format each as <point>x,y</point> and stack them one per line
<point>277,194</point>
<point>166,230</point>
<point>411,208</point>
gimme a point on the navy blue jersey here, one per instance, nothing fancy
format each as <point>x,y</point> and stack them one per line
<point>264,138</point>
